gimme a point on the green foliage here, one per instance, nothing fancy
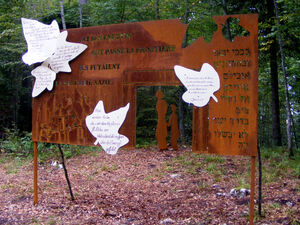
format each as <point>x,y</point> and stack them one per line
<point>17,143</point>
<point>213,158</point>
<point>232,29</point>
<point>49,151</point>
<point>277,163</point>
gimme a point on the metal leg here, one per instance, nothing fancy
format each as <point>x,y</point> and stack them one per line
<point>35,173</point>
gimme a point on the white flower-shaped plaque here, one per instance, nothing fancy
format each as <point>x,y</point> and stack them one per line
<point>44,78</point>
<point>200,85</point>
<point>41,40</point>
<point>105,127</point>
<point>46,43</point>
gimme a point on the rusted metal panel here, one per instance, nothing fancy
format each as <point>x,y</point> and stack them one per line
<point>232,121</point>
<point>121,57</point>
<point>148,49</point>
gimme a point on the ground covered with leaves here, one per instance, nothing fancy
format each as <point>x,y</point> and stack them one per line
<point>145,186</point>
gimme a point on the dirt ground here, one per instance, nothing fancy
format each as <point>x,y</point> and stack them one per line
<point>143,186</point>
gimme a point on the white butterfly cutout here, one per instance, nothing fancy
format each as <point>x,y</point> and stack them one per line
<point>46,43</point>
<point>200,85</point>
<point>105,126</point>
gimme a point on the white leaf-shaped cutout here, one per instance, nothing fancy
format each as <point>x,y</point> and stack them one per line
<point>105,127</point>
<point>200,85</point>
<point>41,40</point>
<point>44,78</point>
<point>65,52</point>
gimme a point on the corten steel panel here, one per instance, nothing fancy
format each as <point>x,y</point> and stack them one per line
<point>229,127</point>
<point>59,115</point>
<point>121,57</point>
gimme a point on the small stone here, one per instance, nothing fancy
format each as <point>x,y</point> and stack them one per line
<point>60,166</point>
<point>54,163</point>
<point>245,212</point>
<point>232,191</point>
<point>221,194</point>
<point>290,204</point>
<point>166,221</point>
<point>239,193</point>
<point>215,186</point>
<point>174,175</point>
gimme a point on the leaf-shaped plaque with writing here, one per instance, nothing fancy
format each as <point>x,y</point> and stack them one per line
<point>105,126</point>
<point>65,52</point>
<point>41,40</point>
<point>200,85</point>
<point>44,78</point>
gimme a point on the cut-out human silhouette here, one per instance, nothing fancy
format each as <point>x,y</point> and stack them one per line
<point>161,128</point>
<point>173,123</point>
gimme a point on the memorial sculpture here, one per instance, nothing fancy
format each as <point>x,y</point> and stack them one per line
<point>121,57</point>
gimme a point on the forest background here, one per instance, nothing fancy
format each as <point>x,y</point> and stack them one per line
<point>279,48</point>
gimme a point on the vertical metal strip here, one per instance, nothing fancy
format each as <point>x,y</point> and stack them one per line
<point>35,173</point>
<point>251,211</point>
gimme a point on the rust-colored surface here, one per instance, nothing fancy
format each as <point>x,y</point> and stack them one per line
<point>118,58</point>
<point>35,173</point>
<point>173,123</point>
<point>121,57</point>
<point>231,127</point>
<point>161,132</point>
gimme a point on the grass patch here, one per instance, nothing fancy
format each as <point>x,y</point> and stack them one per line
<point>156,174</point>
<point>243,182</point>
<point>213,158</point>
<point>108,168</point>
<point>276,163</point>
<point>13,165</point>
<point>51,151</point>
<point>7,186</point>
<point>52,220</point>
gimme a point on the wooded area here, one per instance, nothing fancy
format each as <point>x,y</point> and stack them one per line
<point>278,49</point>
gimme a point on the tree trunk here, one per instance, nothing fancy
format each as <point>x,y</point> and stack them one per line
<point>157,16</point>
<point>228,32</point>
<point>283,65</point>
<point>80,14</point>
<point>62,14</point>
<point>81,3</point>
<point>276,133</point>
